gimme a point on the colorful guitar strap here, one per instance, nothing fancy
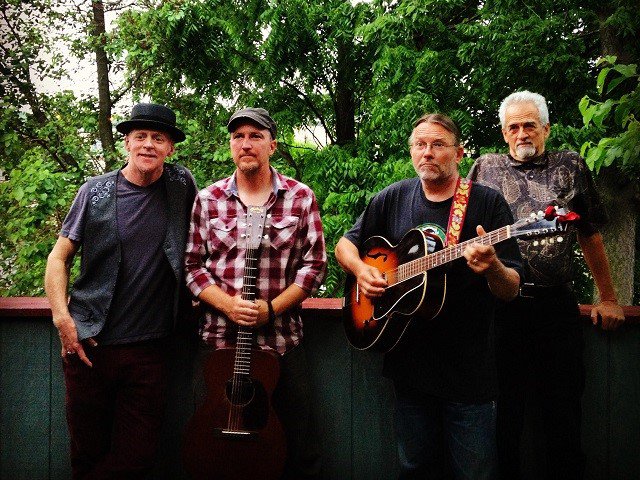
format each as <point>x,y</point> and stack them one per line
<point>458,211</point>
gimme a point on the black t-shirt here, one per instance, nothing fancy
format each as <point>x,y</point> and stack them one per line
<point>451,356</point>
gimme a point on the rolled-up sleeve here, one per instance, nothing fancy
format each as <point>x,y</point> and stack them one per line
<point>310,275</point>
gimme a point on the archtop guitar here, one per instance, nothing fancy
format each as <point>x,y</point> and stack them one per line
<point>379,323</point>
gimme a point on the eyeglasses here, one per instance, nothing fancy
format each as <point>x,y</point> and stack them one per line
<point>435,146</point>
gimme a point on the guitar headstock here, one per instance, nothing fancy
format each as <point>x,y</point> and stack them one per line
<point>544,224</point>
<point>256,221</point>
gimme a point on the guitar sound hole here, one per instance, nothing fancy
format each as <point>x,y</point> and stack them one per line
<point>240,392</point>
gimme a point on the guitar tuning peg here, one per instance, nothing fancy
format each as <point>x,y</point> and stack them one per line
<point>536,243</point>
<point>559,239</point>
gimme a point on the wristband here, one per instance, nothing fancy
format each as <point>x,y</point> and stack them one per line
<point>272,314</point>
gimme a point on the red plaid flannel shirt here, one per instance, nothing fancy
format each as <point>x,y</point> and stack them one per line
<point>294,253</point>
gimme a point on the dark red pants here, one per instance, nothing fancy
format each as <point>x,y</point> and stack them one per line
<point>114,410</point>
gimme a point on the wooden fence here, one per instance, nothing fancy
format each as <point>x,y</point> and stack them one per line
<point>354,403</point>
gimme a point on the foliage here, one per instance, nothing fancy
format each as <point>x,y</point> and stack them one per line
<point>355,73</point>
<point>47,140</point>
<point>292,57</point>
<point>35,199</point>
<point>619,118</point>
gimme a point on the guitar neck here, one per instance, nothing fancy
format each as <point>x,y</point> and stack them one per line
<point>244,340</point>
<point>446,255</point>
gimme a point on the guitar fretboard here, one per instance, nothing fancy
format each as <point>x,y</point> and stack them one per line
<point>446,255</point>
<point>244,341</point>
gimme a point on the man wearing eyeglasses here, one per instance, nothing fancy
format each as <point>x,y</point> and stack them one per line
<point>539,335</point>
<point>443,368</point>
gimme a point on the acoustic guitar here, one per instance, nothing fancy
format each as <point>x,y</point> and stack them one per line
<point>379,323</point>
<point>235,434</point>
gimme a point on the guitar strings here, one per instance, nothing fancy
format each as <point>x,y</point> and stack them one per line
<point>422,264</point>
<point>243,346</point>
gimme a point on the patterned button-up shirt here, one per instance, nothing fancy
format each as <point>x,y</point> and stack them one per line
<point>560,178</point>
<point>294,253</point>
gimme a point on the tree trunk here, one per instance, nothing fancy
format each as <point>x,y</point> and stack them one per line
<point>345,106</point>
<point>619,193</point>
<point>98,30</point>
<point>621,198</point>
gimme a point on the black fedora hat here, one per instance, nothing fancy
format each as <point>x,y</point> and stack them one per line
<point>152,116</point>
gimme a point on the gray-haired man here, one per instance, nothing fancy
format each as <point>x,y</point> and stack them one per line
<point>539,341</point>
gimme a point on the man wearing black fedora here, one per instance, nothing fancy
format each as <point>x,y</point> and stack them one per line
<point>131,227</point>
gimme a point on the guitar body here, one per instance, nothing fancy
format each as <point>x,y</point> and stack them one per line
<point>379,324</point>
<point>241,438</point>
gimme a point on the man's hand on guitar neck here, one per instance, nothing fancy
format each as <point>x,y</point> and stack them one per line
<point>243,312</point>
<point>247,313</point>
<point>482,259</point>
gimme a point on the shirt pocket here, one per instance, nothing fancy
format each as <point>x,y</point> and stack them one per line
<point>283,232</point>
<point>222,234</point>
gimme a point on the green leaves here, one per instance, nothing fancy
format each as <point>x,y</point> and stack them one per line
<point>358,72</point>
<point>619,118</point>
<point>34,199</point>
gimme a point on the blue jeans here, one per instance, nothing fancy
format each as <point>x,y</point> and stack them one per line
<point>438,439</point>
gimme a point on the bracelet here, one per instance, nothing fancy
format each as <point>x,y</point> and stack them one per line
<point>272,314</point>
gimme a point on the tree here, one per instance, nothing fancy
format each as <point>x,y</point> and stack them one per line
<point>293,57</point>
<point>48,140</point>
<point>615,121</point>
<point>359,71</point>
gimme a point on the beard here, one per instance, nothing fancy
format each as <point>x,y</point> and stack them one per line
<point>526,151</point>
<point>249,169</point>
<point>436,175</point>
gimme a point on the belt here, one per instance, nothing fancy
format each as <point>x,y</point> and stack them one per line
<point>531,290</point>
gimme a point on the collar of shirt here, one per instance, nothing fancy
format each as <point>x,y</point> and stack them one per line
<point>537,162</point>
<point>231,188</point>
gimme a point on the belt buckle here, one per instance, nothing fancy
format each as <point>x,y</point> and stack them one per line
<point>524,285</point>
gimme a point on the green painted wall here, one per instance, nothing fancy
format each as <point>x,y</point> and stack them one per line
<point>354,405</point>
